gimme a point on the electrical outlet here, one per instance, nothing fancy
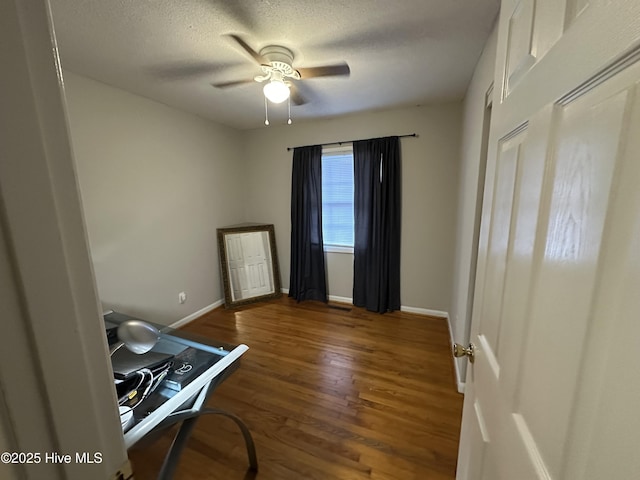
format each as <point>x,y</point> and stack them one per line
<point>182,297</point>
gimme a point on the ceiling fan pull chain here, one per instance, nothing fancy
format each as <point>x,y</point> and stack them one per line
<point>266,112</point>
<point>289,121</point>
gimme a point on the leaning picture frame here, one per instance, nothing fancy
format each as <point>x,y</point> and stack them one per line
<point>248,263</point>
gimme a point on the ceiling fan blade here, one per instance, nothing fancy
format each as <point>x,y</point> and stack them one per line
<point>389,37</point>
<point>239,13</point>
<point>297,98</point>
<point>341,69</point>
<point>186,70</point>
<point>245,46</point>
<point>232,83</point>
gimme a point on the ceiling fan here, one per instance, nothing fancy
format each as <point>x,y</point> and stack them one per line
<point>276,62</point>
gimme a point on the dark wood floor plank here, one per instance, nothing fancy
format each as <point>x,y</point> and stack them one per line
<point>328,394</point>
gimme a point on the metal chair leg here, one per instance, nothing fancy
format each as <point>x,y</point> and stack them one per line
<point>248,439</point>
<point>179,442</point>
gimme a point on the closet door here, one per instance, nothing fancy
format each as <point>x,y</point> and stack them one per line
<point>554,390</point>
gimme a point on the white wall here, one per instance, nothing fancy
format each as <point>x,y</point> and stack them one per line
<point>155,183</point>
<point>468,188</point>
<point>429,188</point>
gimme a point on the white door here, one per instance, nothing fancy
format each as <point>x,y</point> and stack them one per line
<point>554,392</point>
<point>248,265</point>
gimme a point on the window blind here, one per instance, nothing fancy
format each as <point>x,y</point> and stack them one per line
<point>337,198</point>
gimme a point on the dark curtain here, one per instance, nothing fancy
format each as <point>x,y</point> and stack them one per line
<point>307,276</point>
<point>377,210</point>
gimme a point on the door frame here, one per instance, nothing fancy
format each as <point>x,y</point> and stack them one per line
<point>58,396</point>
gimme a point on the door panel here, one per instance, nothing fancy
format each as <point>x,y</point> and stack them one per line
<point>519,269</point>
<point>554,390</point>
<point>605,422</point>
<point>237,270</point>
<point>248,270</point>
<point>549,21</point>
<point>520,47</point>
<point>255,259</point>
<point>575,9</point>
<point>582,165</point>
<point>507,164</point>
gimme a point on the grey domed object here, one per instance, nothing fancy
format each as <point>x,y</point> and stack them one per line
<point>138,336</point>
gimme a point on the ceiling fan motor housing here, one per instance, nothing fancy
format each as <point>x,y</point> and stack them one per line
<point>280,59</point>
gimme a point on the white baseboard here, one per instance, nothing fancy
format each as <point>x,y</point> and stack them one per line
<point>190,318</point>
<point>459,382</point>
<point>333,298</point>
<point>336,298</point>
<point>403,308</point>
<point>424,311</point>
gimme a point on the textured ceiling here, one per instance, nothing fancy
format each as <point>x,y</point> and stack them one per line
<point>401,52</point>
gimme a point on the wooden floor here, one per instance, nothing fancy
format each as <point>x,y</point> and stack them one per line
<point>329,394</point>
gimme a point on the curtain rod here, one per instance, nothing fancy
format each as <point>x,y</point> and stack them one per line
<point>351,141</point>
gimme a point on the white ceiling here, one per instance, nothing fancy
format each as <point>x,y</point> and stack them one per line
<point>401,52</point>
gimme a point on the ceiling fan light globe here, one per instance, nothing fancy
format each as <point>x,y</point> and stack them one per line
<point>276,92</point>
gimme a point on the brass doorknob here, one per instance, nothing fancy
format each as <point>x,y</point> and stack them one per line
<point>460,351</point>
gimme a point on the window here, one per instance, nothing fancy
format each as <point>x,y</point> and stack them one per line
<point>337,199</point>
